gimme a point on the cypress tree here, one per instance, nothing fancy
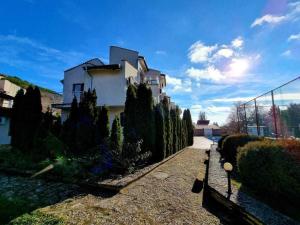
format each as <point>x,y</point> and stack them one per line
<point>69,128</point>
<point>189,126</point>
<point>184,134</point>
<point>17,121</point>
<point>145,118</point>
<point>168,127</point>
<point>115,137</point>
<point>174,130</point>
<point>57,127</point>
<point>74,113</point>
<point>85,134</point>
<point>178,130</point>
<point>32,118</point>
<point>180,136</point>
<point>160,150</point>
<point>102,125</point>
<point>130,132</point>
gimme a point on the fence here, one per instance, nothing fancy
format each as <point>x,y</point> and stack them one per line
<point>273,114</point>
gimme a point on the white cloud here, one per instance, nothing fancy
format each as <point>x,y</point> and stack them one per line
<point>225,52</point>
<point>294,37</point>
<point>209,73</point>
<point>213,113</point>
<point>238,42</point>
<point>268,19</point>
<point>173,80</point>
<point>160,52</point>
<point>199,52</point>
<point>286,53</point>
<point>238,67</point>
<point>29,54</point>
<point>177,85</point>
<point>292,14</point>
<point>235,99</point>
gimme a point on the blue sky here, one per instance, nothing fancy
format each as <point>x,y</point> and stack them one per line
<point>214,52</point>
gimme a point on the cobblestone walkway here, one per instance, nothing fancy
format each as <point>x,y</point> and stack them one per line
<point>39,192</point>
<point>161,197</point>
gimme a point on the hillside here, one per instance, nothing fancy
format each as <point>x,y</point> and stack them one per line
<point>24,84</point>
<point>48,96</point>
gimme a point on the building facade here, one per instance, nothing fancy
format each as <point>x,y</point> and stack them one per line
<point>8,91</point>
<point>110,80</point>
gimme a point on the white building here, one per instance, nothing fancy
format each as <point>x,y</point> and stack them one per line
<point>110,80</point>
<point>7,92</point>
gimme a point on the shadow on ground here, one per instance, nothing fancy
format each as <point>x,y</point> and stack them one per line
<point>19,195</point>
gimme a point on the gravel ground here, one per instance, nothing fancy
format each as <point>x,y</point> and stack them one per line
<point>161,197</point>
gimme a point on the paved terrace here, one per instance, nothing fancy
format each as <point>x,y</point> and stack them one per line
<point>161,197</point>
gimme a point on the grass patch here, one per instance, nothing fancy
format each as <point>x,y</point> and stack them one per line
<point>13,158</point>
<point>61,167</point>
<point>37,218</point>
<point>11,208</point>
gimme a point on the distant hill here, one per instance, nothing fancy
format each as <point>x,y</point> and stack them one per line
<point>48,96</point>
<point>24,84</point>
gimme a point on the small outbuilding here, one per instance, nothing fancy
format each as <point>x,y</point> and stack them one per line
<point>203,128</point>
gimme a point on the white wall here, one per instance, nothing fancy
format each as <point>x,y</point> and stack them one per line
<point>73,76</point>
<point>116,55</point>
<point>9,87</point>
<point>110,87</point>
<point>113,112</point>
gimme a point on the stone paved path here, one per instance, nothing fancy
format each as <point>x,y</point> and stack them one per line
<point>161,197</point>
<point>39,192</point>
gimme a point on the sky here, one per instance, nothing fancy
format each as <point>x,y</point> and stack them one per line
<point>214,52</point>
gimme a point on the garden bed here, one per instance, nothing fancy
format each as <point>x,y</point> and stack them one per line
<point>113,182</point>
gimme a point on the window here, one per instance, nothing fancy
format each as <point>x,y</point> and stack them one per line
<point>78,90</point>
<point>78,87</point>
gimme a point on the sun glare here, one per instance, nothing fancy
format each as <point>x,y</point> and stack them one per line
<point>238,67</point>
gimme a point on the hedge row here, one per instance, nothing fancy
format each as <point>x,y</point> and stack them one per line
<point>231,143</point>
<point>270,170</point>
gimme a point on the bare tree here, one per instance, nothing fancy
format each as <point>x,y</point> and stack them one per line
<point>202,116</point>
<point>236,121</point>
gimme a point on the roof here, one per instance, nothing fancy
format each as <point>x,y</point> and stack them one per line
<point>206,126</point>
<point>143,58</point>
<point>114,46</point>
<point>87,62</point>
<point>105,67</point>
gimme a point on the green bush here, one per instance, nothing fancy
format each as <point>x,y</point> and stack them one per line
<point>14,158</point>
<point>221,140</point>
<point>269,170</point>
<point>11,208</point>
<point>231,144</point>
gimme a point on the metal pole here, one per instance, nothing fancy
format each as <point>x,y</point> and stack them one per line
<point>229,183</point>
<point>256,117</point>
<point>246,125</point>
<point>274,115</point>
